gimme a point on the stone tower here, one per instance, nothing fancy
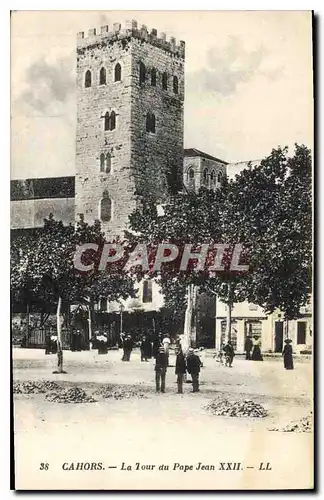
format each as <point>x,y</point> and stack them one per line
<point>129,138</point>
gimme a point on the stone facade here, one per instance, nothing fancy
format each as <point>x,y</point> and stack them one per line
<point>202,170</point>
<point>142,163</point>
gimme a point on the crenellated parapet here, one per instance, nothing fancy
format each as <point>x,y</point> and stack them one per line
<point>127,30</point>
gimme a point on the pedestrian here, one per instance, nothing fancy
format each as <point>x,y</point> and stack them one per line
<point>73,336</point>
<point>128,346</point>
<point>145,348</point>
<point>156,346</point>
<point>161,365</point>
<point>78,339</point>
<point>229,353</point>
<point>48,344</point>
<point>180,369</point>
<point>166,344</point>
<point>193,367</point>
<point>248,347</point>
<point>287,355</point>
<point>256,352</point>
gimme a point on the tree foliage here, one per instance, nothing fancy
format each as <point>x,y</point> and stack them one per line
<point>267,209</point>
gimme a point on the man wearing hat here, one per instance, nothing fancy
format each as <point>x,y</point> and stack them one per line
<point>161,364</point>
<point>193,367</point>
<point>287,355</point>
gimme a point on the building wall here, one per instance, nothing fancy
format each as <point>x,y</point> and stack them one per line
<point>199,164</point>
<point>140,160</point>
<point>27,214</point>
<point>157,158</point>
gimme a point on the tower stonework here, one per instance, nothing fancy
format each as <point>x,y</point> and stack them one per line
<point>129,138</point>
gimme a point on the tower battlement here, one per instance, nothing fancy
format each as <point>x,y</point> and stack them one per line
<point>129,29</point>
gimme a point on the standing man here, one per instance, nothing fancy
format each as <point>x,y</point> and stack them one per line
<point>128,346</point>
<point>166,344</point>
<point>229,353</point>
<point>161,364</point>
<point>180,369</point>
<point>248,347</point>
<point>193,367</point>
<point>78,341</point>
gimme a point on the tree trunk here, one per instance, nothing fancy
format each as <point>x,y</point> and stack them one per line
<point>189,333</point>
<point>229,321</point>
<point>59,338</point>
<point>185,342</point>
<point>28,327</point>
<point>90,321</point>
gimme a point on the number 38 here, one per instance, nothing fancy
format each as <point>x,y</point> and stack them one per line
<point>44,466</point>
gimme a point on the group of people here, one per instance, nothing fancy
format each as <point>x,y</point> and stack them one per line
<point>287,352</point>
<point>190,363</point>
<point>159,349</point>
<point>253,346</point>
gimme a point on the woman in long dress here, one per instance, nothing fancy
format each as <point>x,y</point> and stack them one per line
<point>287,355</point>
<point>256,352</point>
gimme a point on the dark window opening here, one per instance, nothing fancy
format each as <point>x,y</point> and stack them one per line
<point>142,73</point>
<point>108,163</point>
<point>112,120</point>
<point>87,79</point>
<point>219,177</point>
<point>213,176</point>
<point>107,121</point>
<point>105,208</point>
<point>147,291</point>
<point>102,78</point>
<point>205,175</point>
<point>150,123</point>
<point>117,72</point>
<point>175,85</point>
<point>191,174</point>
<point>102,162</point>
<point>153,77</point>
<point>165,81</point>
<point>301,332</point>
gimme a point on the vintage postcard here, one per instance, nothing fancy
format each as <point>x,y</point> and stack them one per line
<point>161,250</point>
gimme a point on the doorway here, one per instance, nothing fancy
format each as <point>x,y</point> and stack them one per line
<point>301,332</point>
<point>278,336</point>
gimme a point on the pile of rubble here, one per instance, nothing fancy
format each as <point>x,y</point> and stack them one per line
<point>72,395</point>
<point>35,387</point>
<point>305,424</point>
<point>119,393</point>
<point>246,408</point>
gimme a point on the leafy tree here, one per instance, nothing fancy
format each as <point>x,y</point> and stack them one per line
<point>267,209</point>
<point>48,264</point>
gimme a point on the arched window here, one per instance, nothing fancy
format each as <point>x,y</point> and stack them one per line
<point>107,121</point>
<point>153,77</point>
<point>175,85</point>
<point>108,163</point>
<point>205,175</point>
<point>87,79</point>
<point>219,177</point>
<point>212,176</point>
<point>191,174</point>
<point>117,72</point>
<point>165,81</point>
<point>150,123</point>
<point>105,206</point>
<point>112,120</point>
<point>142,72</point>
<point>102,162</point>
<point>102,77</point>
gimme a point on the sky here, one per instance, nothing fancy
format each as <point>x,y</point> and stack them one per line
<point>248,82</point>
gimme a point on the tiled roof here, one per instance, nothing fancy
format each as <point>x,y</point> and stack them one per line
<point>195,152</point>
